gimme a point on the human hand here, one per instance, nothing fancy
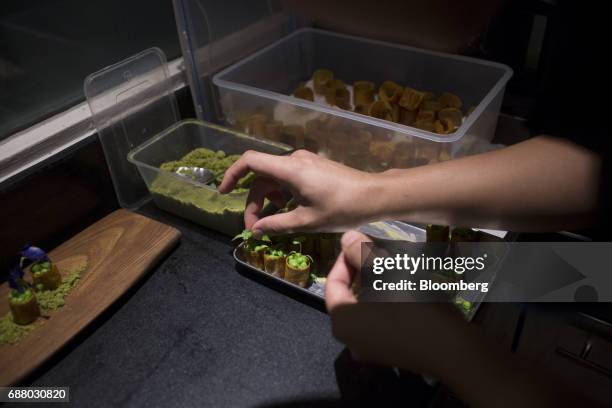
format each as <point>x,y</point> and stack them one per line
<point>421,337</point>
<point>329,196</point>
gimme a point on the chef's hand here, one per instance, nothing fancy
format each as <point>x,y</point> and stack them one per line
<point>414,336</point>
<point>329,195</point>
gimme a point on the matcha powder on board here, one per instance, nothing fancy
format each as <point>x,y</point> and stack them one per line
<point>11,333</point>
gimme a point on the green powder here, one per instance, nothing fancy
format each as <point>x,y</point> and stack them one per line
<point>11,333</point>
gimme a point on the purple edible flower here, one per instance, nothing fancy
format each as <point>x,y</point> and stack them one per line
<point>34,254</point>
<point>16,278</point>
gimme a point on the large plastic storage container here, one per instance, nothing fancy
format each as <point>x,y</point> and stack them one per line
<point>180,195</point>
<point>255,95</point>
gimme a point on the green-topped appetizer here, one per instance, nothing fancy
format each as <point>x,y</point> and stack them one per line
<point>304,244</point>
<point>274,261</point>
<point>254,248</point>
<point>45,274</point>
<point>297,268</point>
<point>437,233</point>
<point>22,300</point>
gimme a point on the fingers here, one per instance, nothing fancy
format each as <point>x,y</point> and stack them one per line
<point>337,286</point>
<point>261,188</point>
<point>279,168</point>
<point>351,247</point>
<point>283,223</point>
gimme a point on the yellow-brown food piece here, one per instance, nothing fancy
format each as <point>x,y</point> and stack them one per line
<point>382,110</point>
<point>411,99</point>
<point>274,130</point>
<point>431,105</point>
<point>444,126</point>
<point>320,78</point>
<point>330,88</point>
<point>342,98</point>
<point>256,125</point>
<point>407,117</point>
<point>363,109</point>
<point>428,115</point>
<point>304,92</point>
<point>425,124</point>
<point>363,93</point>
<point>428,96</point>
<point>453,115</point>
<point>449,100</point>
<point>390,92</point>
<point>383,151</point>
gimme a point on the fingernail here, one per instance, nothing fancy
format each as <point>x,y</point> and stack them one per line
<point>349,237</point>
<point>257,233</point>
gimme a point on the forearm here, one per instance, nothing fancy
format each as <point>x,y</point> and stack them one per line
<point>542,184</point>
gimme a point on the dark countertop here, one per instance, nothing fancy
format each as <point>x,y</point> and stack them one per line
<point>197,332</point>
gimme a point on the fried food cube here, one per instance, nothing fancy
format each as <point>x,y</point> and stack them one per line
<point>444,126</point>
<point>411,99</point>
<point>449,100</point>
<point>256,125</point>
<point>407,117</point>
<point>363,109</point>
<point>453,115</point>
<point>304,92</point>
<point>320,78</point>
<point>429,96</point>
<point>293,135</point>
<point>382,110</point>
<point>330,89</point>
<point>428,115</point>
<point>390,92</point>
<point>425,124</point>
<point>431,105</point>
<point>363,93</point>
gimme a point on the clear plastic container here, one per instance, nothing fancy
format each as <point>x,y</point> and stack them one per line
<point>262,84</point>
<point>187,198</point>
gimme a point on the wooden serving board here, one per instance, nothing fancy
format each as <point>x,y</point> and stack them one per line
<point>118,250</point>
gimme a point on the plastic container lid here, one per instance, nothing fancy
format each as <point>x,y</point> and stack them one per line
<point>130,102</point>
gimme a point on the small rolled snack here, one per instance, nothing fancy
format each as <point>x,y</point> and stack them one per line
<point>320,78</point>
<point>336,146</point>
<point>449,100</point>
<point>381,154</point>
<point>256,125</point>
<point>363,109</point>
<point>437,233</point>
<point>425,124</point>
<point>426,115</point>
<point>274,130</point>
<point>444,126</point>
<point>22,300</point>
<point>428,96</point>
<point>45,274</point>
<point>390,92</point>
<point>253,249</point>
<point>332,89</point>
<point>363,93</point>
<point>382,110</point>
<point>304,92</point>
<point>411,99</point>
<point>453,115</point>
<point>342,98</point>
<point>431,105</point>
<point>274,261</point>
<point>297,269</point>
<point>407,117</point>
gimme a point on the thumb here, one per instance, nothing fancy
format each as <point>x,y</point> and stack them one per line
<point>351,247</point>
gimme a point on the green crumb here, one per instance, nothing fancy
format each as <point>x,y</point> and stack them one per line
<point>56,298</point>
<point>11,332</point>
